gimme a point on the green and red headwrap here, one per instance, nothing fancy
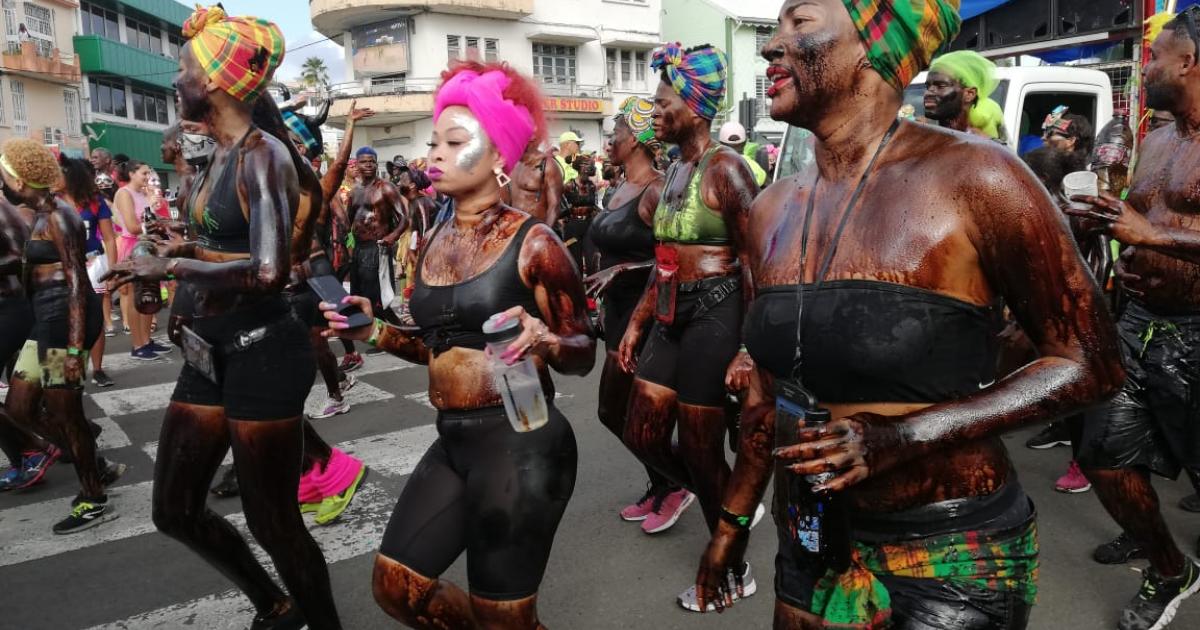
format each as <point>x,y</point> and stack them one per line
<point>902,36</point>
<point>238,53</point>
<point>697,76</point>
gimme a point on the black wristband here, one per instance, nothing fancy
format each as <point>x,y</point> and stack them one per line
<point>737,520</point>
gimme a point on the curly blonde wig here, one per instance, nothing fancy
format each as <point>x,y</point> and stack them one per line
<point>31,162</point>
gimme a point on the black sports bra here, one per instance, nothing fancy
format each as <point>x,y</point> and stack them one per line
<point>872,341</point>
<point>222,225</point>
<point>452,316</point>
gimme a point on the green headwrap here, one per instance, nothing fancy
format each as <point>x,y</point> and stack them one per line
<point>974,71</point>
<point>902,36</point>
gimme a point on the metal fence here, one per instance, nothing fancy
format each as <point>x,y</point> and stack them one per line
<point>1120,73</point>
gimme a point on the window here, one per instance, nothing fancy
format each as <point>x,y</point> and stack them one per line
<point>1,103</point>
<point>10,18</point>
<point>39,20</point>
<point>761,102</point>
<point>100,21</point>
<point>472,48</point>
<point>626,69</point>
<point>71,107</point>
<point>554,64</point>
<point>143,36</point>
<point>150,106</point>
<point>453,48</point>
<point>21,127</point>
<point>762,35</point>
<point>108,97</point>
<point>48,135</point>
<point>174,43</point>
<point>491,50</point>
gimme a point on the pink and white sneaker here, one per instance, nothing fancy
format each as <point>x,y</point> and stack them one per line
<point>1073,482</point>
<point>639,510</point>
<point>668,509</point>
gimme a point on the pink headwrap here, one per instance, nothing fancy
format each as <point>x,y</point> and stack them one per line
<point>509,126</point>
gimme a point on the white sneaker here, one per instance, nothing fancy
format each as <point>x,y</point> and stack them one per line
<point>348,384</point>
<point>332,408</point>
<point>759,512</point>
<point>687,599</point>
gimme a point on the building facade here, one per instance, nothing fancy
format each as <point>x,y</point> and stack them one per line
<point>587,55</point>
<point>740,28</point>
<point>128,53</point>
<point>40,91</point>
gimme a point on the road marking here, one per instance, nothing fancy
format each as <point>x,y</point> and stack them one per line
<point>111,435</point>
<point>133,400</point>
<point>119,362</point>
<point>358,533</point>
<point>25,531</point>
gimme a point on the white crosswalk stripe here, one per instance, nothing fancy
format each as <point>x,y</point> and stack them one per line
<point>25,533</point>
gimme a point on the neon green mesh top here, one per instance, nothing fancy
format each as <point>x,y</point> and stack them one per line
<point>689,220</point>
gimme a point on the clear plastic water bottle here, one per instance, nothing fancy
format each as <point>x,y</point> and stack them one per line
<point>147,295</point>
<point>519,384</point>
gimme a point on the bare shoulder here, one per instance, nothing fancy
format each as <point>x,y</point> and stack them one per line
<point>261,145</point>
<point>772,200</point>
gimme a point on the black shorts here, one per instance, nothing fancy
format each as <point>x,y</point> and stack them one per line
<point>364,273</point>
<point>16,320</point>
<point>1152,421</point>
<point>484,488</point>
<point>920,603</point>
<point>691,355</point>
<point>51,315</point>
<point>269,380</point>
<point>306,306</point>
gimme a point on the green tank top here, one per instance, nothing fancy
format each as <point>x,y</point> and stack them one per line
<point>689,220</point>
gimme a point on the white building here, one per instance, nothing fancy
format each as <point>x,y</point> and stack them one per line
<point>588,55</point>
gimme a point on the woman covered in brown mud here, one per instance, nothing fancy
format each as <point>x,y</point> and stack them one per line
<point>483,487</point>
<point>695,299</point>
<point>624,236</point>
<point>889,263</point>
<point>249,359</point>
<point>46,392</point>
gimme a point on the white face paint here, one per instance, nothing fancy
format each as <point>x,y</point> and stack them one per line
<point>471,154</point>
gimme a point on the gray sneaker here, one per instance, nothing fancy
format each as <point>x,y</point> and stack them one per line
<point>687,599</point>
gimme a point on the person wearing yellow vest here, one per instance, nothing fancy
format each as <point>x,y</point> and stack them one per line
<point>733,135</point>
<point>568,147</point>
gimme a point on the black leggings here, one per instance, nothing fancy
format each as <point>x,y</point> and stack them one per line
<point>484,488</point>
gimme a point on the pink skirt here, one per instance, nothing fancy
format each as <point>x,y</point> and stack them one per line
<point>125,244</point>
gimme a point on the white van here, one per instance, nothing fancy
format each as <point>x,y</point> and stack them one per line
<point>1026,95</point>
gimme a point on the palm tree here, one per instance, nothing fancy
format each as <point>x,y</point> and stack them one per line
<point>314,74</point>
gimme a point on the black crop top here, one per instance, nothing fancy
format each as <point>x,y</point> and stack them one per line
<point>41,252</point>
<point>452,316</point>
<point>872,341</point>
<point>222,225</point>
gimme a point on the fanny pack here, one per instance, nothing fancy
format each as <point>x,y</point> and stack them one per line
<point>666,283</point>
<point>199,353</point>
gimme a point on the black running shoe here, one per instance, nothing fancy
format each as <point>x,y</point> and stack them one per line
<point>85,514</point>
<point>228,486</point>
<point>100,379</point>
<point>110,472</point>
<point>289,619</point>
<point>1159,599</point>
<point>1055,434</point>
<point>1119,550</point>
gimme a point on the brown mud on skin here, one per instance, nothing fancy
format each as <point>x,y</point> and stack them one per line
<point>536,187</point>
<point>377,210</point>
<point>418,601</point>
<point>649,427</point>
<point>702,447</point>
<point>1129,497</point>
<point>14,231</point>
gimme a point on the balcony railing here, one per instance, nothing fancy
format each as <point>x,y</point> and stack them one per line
<point>44,62</point>
<point>576,89</point>
<point>384,87</point>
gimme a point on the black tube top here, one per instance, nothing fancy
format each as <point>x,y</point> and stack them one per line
<point>453,315</point>
<point>41,252</point>
<point>872,341</point>
<point>622,236</point>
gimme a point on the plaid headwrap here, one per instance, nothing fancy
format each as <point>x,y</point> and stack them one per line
<point>238,53</point>
<point>699,76</point>
<point>902,36</point>
<point>298,127</point>
<point>636,112</point>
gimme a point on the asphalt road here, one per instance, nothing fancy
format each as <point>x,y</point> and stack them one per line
<point>603,573</point>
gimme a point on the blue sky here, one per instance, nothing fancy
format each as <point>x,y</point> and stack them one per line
<point>298,31</point>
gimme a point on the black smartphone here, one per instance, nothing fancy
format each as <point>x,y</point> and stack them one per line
<point>330,290</point>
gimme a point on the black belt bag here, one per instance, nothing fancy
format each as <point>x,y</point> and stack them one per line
<point>719,289</point>
<point>198,352</point>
